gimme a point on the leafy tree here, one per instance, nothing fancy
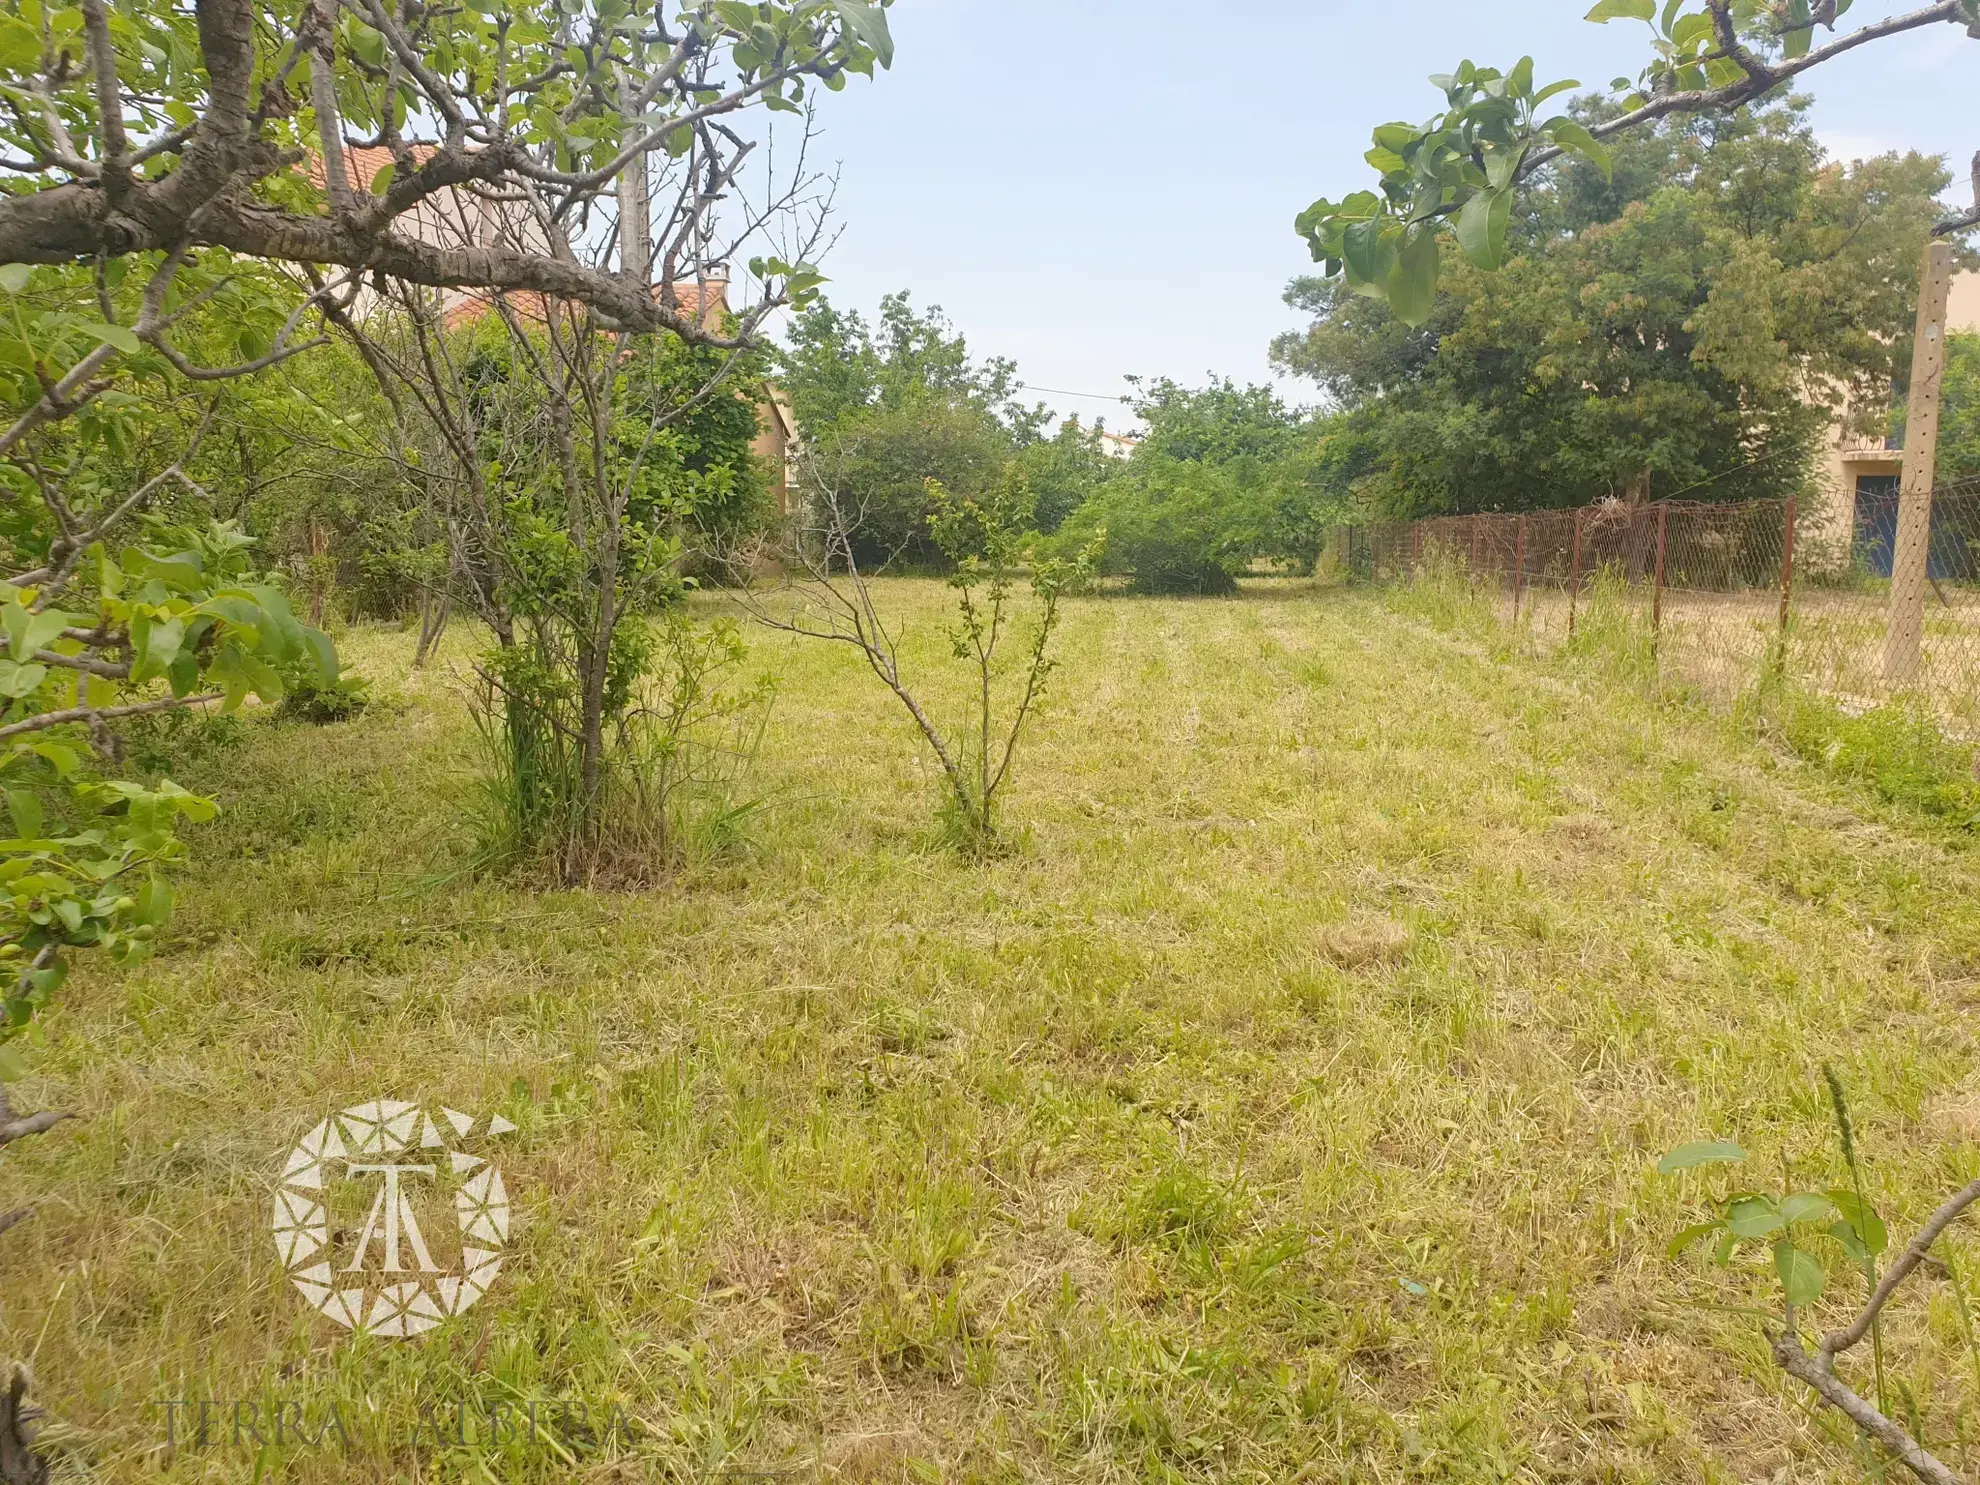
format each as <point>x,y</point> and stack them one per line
<point>1223,475</point>
<point>1064,470</point>
<point>159,127</point>
<point>888,408</point>
<point>837,366</point>
<point>1959,419</point>
<point>108,609</point>
<point>571,468</point>
<point>990,544</point>
<point>883,461</point>
<point>1215,424</point>
<point>1464,166</point>
<point>1684,341</point>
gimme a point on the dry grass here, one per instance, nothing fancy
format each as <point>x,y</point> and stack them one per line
<point>1283,1107</point>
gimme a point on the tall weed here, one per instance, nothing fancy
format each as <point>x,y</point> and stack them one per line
<point>683,738</point>
<point>1898,750</point>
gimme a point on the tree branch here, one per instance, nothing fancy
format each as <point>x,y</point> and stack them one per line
<point>104,713</point>
<point>1797,1363</point>
<point>1761,77</point>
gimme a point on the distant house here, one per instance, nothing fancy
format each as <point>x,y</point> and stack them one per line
<point>1118,445</point>
<point>458,218</point>
<point>1863,474</point>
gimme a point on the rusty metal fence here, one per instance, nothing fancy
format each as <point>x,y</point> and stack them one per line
<point>1720,594</point>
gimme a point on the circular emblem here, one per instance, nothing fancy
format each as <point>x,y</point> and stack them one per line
<point>388,1221</point>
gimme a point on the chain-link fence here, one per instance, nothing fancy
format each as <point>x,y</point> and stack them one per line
<point>1720,592</point>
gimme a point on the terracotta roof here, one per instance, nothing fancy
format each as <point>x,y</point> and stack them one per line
<point>362,164</point>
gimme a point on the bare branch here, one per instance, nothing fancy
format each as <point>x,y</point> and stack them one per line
<point>1818,1374</point>
<point>93,714</point>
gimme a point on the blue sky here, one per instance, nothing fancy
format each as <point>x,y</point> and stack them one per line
<point>1104,187</point>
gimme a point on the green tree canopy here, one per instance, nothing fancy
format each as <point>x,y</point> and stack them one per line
<point>887,407</point>
<point>1680,324</point>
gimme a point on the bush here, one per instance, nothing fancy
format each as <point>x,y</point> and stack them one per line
<point>880,462</point>
<point>1172,527</point>
<point>1897,749</point>
<point>682,733</point>
<point>308,697</point>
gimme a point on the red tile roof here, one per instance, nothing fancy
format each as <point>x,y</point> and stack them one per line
<point>362,164</point>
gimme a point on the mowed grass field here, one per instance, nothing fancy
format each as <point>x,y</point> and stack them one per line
<point>1283,1106</point>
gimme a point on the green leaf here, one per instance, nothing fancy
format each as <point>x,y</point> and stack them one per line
<point>1413,281</point>
<point>1623,10</point>
<point>26,812</point>
<point>1705,1152</point>
<point>1570,135</point>
<point>1862,1220</point>
<point>60,757</point>
<point>382,182</point>
<point>1360,245</point>
<point>12,1068</point>
<point>14,276</point>
<point>1799,33</point>
<point>1691,1235</point>
<point>1807,1206</point>
<point>1482,227</point>
<point>1801,1275</point>
<point>111,335</point>
<point>1845,1234</point>
<point>1753,1217</point>
<point>17,681</point>
<point>869,24</point>
<point>154,902</point>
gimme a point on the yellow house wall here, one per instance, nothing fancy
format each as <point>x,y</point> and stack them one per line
<point>1964,315</point>
<point>1833,531</point>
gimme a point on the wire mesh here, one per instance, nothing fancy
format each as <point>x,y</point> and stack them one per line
<point>1719,594</point>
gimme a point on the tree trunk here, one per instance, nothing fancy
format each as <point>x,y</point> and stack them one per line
<point>19,1464</point>
<point>319,580</point>
<point>435,609</point>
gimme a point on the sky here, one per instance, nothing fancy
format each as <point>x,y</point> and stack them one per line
<point>1105,188</point>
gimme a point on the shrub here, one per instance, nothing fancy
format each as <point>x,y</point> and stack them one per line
<point>681,734</point>
<point>310,697</point>
<point>1172,527</point>
<point>879,463</point>
<point>1897,749</point>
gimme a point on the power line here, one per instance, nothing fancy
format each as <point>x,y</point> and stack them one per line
<point>1061,392</point>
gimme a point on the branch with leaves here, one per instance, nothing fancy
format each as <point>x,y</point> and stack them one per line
<point>1793,1227</point>
<point>237,125</point>
<point>1464,165</point>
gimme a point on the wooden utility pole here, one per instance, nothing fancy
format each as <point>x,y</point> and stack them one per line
<point>1911,559</point>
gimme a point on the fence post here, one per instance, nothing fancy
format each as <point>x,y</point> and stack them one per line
<point>1787,561</point>
<point>1657,592</point>
<point>1911,560</point>
<point>1472,566</point>
<point>1519,566</point>
<point>1415,548</point>
<point>1574,574</point>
